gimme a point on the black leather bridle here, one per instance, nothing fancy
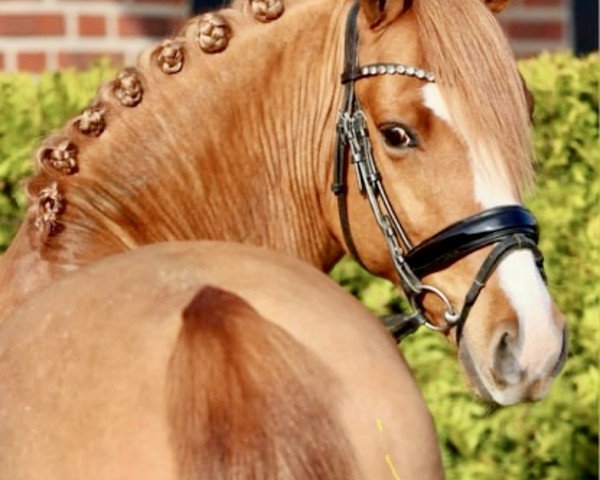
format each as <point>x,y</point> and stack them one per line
<point>509,228</point>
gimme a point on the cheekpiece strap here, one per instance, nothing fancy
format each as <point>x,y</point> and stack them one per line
<point>339,185</point>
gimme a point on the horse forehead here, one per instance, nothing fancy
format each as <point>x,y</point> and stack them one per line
<point>397,42</point>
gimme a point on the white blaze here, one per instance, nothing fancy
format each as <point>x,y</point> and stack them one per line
<point>519,277</point>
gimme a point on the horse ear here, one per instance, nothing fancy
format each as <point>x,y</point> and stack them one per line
<point>378,11</point>
<point>496,5</point>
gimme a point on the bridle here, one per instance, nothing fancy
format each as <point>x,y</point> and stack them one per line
<point>509,228</point>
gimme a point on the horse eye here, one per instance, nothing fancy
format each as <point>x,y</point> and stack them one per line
<point>398,136</point>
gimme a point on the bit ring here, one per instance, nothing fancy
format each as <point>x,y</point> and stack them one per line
<point>451,315</point>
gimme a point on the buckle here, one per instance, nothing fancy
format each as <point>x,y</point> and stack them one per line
<point>338,188</point>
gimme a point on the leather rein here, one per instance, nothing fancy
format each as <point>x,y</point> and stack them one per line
<point>509,228</point>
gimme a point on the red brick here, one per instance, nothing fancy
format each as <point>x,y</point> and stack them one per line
<point>82,60</point>
<point>169,2</point>
<point>34,62</point>
<point>31,25</point>
<point>543,3</point>
<point>143,26</point>
<point>537,30</point>
<point>92,26</point>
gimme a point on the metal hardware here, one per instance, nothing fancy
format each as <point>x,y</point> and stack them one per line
<point>353,129</point>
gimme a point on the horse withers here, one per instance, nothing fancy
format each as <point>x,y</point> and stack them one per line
<point>206,360</point>
<point>238,127</point>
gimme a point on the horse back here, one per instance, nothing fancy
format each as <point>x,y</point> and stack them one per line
<point>173,360</point>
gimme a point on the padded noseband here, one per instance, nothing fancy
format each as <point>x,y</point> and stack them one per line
<point>471,234</point>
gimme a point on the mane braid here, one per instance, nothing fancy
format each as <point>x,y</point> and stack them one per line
<point>471,58</point>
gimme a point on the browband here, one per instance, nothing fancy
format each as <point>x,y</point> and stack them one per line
<point>386,69</point>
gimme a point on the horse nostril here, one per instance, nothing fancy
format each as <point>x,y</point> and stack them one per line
<point>506,370</point>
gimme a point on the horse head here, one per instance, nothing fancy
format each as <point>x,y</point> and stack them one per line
<point>435,123</point>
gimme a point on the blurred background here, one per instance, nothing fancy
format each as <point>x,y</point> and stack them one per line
<point>36,35</point>
<point>51,66</point>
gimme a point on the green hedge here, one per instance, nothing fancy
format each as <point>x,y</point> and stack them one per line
<point>552,439</point>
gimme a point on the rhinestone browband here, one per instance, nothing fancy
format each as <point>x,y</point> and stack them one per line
<point>387,69</point>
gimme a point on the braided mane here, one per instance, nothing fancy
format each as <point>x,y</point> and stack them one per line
<point>128,171</point>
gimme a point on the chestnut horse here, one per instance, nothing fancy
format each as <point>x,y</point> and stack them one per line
<point>172,361</point>
<point>228,131</point>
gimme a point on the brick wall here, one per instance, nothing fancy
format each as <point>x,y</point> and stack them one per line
<point>537,25</point>
<point>50,34</point>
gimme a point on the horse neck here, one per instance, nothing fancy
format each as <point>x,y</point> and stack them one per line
<point>236,147</point>
<point>232,148</point>
<point>263,175</point>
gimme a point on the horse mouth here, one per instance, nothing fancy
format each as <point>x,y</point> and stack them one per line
<point>472,375</point>
<point>496,391</point>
